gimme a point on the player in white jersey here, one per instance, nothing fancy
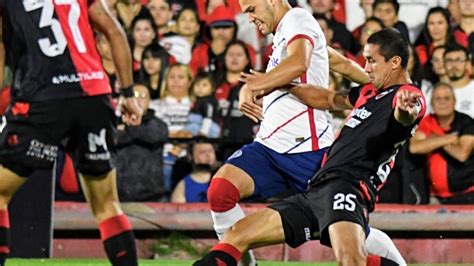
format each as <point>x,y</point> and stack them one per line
<point>293,137</point>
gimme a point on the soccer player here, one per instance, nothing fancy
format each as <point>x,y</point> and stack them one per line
<point>385,113</point>
<point>293,136</point>
<point>60,91</point>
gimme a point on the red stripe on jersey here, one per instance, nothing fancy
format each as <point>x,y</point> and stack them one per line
<point>284,124</point>
<point>301,36</point>
<point>421,100</point>
<point>367,92</point>
<point>74,20</point>
<point>312,126</point>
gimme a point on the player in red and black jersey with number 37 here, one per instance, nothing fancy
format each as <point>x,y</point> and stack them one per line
<point>335,207</point>
<point>60,91</point>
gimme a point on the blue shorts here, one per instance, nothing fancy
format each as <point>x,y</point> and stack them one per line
<point>276,174</point>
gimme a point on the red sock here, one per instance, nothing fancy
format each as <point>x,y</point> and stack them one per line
<point>4,235</point>
<point>229,249</point>
<point>119,241</point>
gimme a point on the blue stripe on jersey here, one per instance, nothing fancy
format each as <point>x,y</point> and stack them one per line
<point>276,99</point>
<point>308,138</point>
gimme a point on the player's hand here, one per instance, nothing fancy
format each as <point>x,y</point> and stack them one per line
<point>249,105</point>
<point>249,78</point>
<point>131,111</point>
<point>408,101</point>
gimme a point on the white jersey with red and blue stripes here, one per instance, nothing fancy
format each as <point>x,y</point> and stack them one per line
<point>290,126</point>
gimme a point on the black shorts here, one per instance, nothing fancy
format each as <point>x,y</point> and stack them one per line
<point>31,133</point>
<point>307,216</point>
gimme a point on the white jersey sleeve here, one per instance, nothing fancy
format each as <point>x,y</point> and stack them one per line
<point>289,126</point>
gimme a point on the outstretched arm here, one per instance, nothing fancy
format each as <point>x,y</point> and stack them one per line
<point>346,67</point>
<point>321,98</point>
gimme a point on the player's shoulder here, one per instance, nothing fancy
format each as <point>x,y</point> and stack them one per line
<point>409,87</point>
<point>298,14</point>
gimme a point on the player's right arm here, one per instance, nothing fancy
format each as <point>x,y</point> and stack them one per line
<point>321,98</point>
<point>104,22</point>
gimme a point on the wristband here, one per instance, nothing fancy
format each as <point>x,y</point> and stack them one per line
<point>127,92</point>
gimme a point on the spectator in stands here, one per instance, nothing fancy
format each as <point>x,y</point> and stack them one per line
<point>140,154</point>
<point>204,116</point>
<point>464,33</point>
<point>175,100</point>
<point>161,12</point>
<point>155,61</point>
<point>387,11</point>
<point>143,34</point>
<point>237,129</point>
<point>437,31</point>
<point>127,11</point>
<point>458,69</point>
<point>341,34</point>
<point>193,187</point>
<point>221,28</point>
<point>188,26</point>
<point>435,71</point>
<point>370,26</point>
<point>447,136</point>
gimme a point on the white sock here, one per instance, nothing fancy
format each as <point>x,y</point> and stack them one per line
<point>223,221</point>
<point>378,243</point>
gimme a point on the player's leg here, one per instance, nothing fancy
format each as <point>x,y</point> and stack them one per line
<point>96,151</point>
<point>258,229</point>
<point>379,243</point>
<point>347,240</point>
<point>9,184</point>
<point>227,187</point>
<point>115,229</point>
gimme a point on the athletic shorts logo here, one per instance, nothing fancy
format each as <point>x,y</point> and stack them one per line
<point>307,233</point>
<point>97,141</point>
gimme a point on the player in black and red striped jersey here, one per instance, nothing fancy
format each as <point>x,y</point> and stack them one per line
<point>335,208</point>
<point>60,91</point>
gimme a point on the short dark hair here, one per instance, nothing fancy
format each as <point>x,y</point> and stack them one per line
<point>395,4</point>
<point>456,48</point>
<point>391,43</point>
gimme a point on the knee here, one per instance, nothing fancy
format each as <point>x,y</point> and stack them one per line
<point>350,256</point>
<point>222,195</point>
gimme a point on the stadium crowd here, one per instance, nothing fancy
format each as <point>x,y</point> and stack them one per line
<point>188,56</point>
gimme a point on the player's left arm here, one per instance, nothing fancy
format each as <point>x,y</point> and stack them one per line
<point>346,67</point>
<point>409,106</point>
<point>462,150</point>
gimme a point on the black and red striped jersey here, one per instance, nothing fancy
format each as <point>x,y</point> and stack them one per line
<point>51,48</point>
<point>371,137</point>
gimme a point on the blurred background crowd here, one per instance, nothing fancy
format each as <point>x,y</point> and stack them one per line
<point>187,60</point>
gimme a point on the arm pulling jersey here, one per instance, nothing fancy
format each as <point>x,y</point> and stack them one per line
<point>371,137</point>
<point>289,126</point>
<point>51,48</point>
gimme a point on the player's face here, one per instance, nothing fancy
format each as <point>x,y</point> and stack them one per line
<point>378,69</point>
<point>236,59</point>
<point>437,27</point>
<point>443,101</point>
<point>260,13</point>
<point>456,64</point>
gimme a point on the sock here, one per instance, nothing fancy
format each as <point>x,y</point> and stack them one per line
<point>378,243</point>
<point>226,211</point>
<point>4,236</point>
<point>222,254</point>
<point>119,241</point>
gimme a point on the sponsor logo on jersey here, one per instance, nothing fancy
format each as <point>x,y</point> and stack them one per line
<point>357,116</point>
